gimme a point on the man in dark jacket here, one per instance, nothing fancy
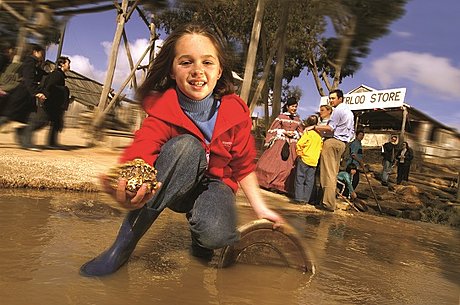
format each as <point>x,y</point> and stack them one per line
<point>51,110</point>
<point>404,158</point>
<point>20,101</point>
<point>389,157</point>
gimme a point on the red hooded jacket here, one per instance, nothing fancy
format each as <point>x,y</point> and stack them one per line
<point>231,150</point>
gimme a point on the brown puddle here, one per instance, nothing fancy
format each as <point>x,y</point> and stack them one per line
<point>45,237</point>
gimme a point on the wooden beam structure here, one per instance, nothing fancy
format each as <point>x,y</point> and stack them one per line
<point>103,101</point>
<point>252,51</point>
<point>403,123</point>
<point>25,10</point>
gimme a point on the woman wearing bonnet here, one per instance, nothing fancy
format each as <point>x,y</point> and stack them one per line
<point>275,171</point>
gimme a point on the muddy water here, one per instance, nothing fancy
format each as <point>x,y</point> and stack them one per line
<point>45,237</point>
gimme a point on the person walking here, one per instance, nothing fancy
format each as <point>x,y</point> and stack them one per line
<point>341,127</point>
<point>198,137</point>
<point>404,158</point>
<point>308,150</point>
<point>52,109</point>
<point>275,168</point>
<point>389,158</point>
<point>23,93</point>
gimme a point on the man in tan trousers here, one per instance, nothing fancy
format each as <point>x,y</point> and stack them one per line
<point>340,130</point>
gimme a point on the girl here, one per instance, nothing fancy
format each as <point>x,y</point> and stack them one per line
<point>308,150</point>
<point>197,136</point>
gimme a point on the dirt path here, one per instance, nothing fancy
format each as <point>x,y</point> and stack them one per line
<point>78,167</point>
<point>74,169</point>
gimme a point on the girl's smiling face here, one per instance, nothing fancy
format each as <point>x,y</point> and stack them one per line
<point>196,67</point>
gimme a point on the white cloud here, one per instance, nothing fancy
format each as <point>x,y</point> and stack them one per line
<point>82,65</point>
<point>434,75</point>
<point>123,69</point>
<point>403,34</point>
<point>307,109</point>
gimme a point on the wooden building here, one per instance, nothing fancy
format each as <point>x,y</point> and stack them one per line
<point>85,95</point>
<point>432,140</point>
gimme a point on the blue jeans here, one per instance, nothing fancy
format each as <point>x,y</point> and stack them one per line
<point>209,203</point>
<point>387,168</point>
<point>304,181</point>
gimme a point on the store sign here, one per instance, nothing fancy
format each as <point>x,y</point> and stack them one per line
<point>374,99</point>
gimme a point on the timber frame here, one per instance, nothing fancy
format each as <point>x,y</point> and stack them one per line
<point>35,14</point>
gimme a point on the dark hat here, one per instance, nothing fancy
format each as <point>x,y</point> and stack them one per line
<point>291,101</point>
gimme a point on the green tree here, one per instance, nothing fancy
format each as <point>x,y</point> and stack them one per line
<point>232,20</point>
<point>357,23</point>
<point>303,39</point>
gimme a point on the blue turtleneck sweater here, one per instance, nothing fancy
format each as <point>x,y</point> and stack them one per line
<point>203,113</point>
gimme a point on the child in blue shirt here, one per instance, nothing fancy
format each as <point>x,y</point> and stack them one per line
<point>344,181</point>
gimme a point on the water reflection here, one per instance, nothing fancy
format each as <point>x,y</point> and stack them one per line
<point>361,259</point>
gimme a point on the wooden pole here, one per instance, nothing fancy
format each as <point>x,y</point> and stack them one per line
<point>112,65</point>
<point>133,71</point>
<point>12,11</point>
<point>22,34</point>
<point>279,68</point>
<point>358,114</point>
<point>264,77</point>
<point>372,189</point>
<point>458,187</point>
<point>130,58</point>
<point>252,51</point>
<point>403,125</point>
<point>153,37</point>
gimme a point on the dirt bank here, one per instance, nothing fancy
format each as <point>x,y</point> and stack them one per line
<point>75,168</point>
<point>429,196</point>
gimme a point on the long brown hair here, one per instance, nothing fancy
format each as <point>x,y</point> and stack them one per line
<point>159,75</point>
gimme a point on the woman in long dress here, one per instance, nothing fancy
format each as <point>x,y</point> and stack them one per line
<point>274,173</point>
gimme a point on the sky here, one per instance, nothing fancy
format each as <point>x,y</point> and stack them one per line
<point>421,53</point>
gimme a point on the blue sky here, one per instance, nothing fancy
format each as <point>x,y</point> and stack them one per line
<point>421,53</point>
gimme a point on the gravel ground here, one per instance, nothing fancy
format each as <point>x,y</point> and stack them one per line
<point>76,168</point>
<point>39,173</point>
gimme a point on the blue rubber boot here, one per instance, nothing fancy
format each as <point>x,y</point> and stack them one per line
<point>134,226</point>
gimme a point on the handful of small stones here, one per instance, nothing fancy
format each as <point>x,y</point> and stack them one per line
<point>136,172</point>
